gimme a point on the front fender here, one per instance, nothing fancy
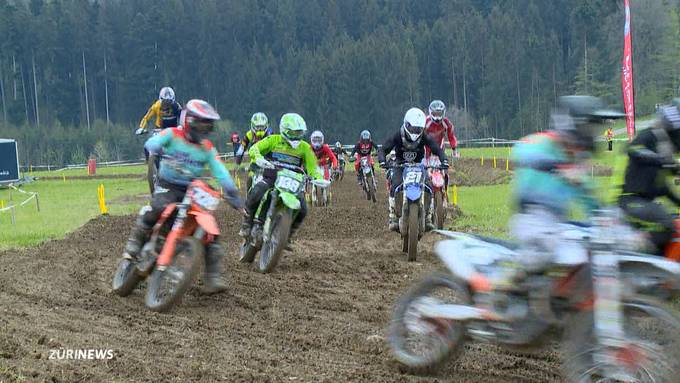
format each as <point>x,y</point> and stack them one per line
<point>290,200</point>
<point>207,222</point>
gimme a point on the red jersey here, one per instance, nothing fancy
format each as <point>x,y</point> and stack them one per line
<point>363,148</point>
<point>437,130</point>
<point>323,154</point>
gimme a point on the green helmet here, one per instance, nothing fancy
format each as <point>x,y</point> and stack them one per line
<point>259,122</point>
<point>292,128</point>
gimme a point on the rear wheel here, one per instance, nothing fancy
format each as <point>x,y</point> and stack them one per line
<point>421,344</point>
<point>166,287</point>
<point>652,353</point>
<point>278,239</point>
<point>126,278</point>
<point>439,211</point>
<point>413,231</point>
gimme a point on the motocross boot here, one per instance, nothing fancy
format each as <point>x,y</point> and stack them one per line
<point>213,262</point>
<point>393,222</point>
<point>246,226</point>
<point>138,237</point>
<point>429,222</point>
<point>359,180</point>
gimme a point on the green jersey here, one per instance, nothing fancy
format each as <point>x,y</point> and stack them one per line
<point>277,148</point>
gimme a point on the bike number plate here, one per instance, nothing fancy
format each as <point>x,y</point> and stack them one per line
<point>288,184</point>
<point>203,199</point>
<point>412,176</point>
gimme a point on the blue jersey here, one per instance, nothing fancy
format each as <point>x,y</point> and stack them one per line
<point>183,160</point>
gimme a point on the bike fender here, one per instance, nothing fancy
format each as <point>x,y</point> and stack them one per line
<point>290,200</point>
<point>413,192</point>
<point>207,222</point>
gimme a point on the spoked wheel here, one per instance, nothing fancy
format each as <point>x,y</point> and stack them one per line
<point>439,211</point>
<point>413,231</point>
<point>419,343</point>
<point>651,353</point>
<point>371,189</point>
<point>126,278</point>
<point>166,287</point>
<point>278,239</point>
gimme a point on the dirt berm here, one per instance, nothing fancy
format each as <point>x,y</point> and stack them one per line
<point>320,317</point>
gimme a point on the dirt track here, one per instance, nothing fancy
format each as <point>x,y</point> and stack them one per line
<point>319,317</point>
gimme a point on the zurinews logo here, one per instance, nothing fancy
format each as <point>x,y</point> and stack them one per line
<point>82,354</point>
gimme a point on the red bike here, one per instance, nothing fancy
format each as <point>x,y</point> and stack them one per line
<point>438,180</point>
<point>175,249</point>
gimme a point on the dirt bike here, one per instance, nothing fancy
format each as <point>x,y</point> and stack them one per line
<point>272,236</point>
<point>438,181</point>
<point>611,331</point>
<point>173,253</point>
<point>412,214</point>
<point>339,173</point>
<point>152,164</point>
<point>320,196</point>
<point>367,179</point>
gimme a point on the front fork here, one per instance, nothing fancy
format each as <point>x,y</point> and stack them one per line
<point>607,315</point>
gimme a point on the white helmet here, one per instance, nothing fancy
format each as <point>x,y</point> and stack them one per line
<point>316,139</point>
<point>413,127</point>
<point>167,93</point>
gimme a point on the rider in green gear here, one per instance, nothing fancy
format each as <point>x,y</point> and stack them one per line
<point>286,148</point>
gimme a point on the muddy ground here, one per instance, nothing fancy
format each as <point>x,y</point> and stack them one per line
<point>320,317</point>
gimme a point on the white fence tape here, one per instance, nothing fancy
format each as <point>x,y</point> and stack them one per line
<point>31,196</point>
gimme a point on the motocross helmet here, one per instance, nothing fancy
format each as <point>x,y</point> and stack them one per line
<point>577,119</point>
<point>365,136</point>
<point>259,124</point>
<point>198,120</point>
<point>437,110</point>
<point>292,128</point>
<point>316,139</point>
<point>413,127</point>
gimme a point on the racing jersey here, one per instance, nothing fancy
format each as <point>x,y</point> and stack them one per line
<point>323,154</point>
<point>438,130</point>
<point>183,161</point>
<point>276,148</point>
<point>165,117</point>
<point>538,159</point>
<point>249,139</point>
<point>410,153</point>
<point>363,148</point>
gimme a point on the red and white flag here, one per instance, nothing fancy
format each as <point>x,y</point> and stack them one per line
<point>627,74</point>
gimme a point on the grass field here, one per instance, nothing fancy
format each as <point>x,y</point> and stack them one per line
<point>64,206</point>
<point>486,209</point>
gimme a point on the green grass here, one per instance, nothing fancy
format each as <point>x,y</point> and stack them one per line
<point>64,206</point>
<point>136,169</point>
<point>486,210</point>
<point>487,152</point>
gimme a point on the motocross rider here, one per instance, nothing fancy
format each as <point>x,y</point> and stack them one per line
<point>186,152</point>
<point>437,126</point>
<point>409,145</point>
<point>323,152</point>
<point>259,129</point>
<point>340,154</point>
<point>287,147</point>
<point>552,181</point>
<point>651,162</point>
<point>363,148</point>
<point>166,112</point>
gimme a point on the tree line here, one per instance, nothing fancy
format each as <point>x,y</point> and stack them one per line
<point>77,75</point>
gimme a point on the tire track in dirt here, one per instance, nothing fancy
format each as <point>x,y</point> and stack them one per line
<point>320,317</point>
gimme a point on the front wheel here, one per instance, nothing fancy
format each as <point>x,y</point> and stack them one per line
<point>651,353</point>
<point>166,287</point>
<point>413,231</point>
<point>126,278</point>
<point>247,252</point>
<point>278,239</point>
<point>371,189</point>
<point>419,343</point>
